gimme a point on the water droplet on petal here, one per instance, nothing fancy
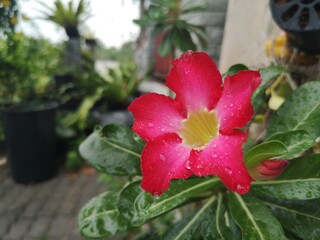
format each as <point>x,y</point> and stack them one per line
<point>188,165</point>
<point>242,189</point>
<point>228,170</point>
<point>150,125</point>
<point>239,187</point>
<point>162,157</point>
<point>231,104</point>
<point>162,129</point>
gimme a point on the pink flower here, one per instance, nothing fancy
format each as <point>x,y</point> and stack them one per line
<point>268,169</point>
<point>196,133</point>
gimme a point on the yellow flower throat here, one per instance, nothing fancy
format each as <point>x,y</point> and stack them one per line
<point>199,128</point>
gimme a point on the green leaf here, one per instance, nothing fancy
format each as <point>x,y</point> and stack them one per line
<point>264,151</point>
<point>100,216</point>
<point>113,149</point>
<point>218,223</point>
<point>302,189</point>
<point>186,228</point>
<point>301,218</point>
<point>268,74</point>
<point>166,45</point>
<point>301,111</point>
<point>139,206</point>
<point>254,218</point>
<point>181,38</point>
<point>235,69</point>
<point>302,168</point>
<point>297,141</point>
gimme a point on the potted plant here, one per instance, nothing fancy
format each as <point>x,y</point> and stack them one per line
<point>27,107</point>
<point>69,17</point>
<point>172,31</point>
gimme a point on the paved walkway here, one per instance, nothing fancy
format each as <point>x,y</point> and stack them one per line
<point>47,210</point>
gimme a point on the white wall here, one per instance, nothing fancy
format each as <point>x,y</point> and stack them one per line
<point>248,25</point>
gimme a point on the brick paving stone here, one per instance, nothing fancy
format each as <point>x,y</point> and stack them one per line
<point>18,229</point>
<point>6,220</point>
<point>51,206</point>
<point>60,227</point>
<point>22,207</point>
<point>39,227</point>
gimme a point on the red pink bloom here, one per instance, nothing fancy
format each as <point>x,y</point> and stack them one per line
<point>268,169</point>
<point>196,133</point>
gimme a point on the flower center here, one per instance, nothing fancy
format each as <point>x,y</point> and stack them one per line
<point>199,128</point>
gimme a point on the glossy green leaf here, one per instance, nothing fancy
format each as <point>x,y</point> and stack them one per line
<point>100,216</point>
<point>166,45</point>
<point>186,228</point>
<point>234,69</point>
<point>302,189</point>
<point>218,223</point>
<point>268,74</point>
<point>181,38</point>
<point>300,218</point>
<point>113,149</point>
<point>301,111</point>
<point>254,218</point>
<point>302,168</point>
<point>139,206</point>
<point>297,141</point>
<point>264,151</point>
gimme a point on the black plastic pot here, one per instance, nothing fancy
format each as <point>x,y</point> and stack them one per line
<point>31,142</point>
<point>301,20</point>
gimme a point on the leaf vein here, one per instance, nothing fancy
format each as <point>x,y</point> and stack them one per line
<point>291,210</point>
<point>195,218</point>
<point>122,148</point>
<point>181,193</point>
<point>246,209</point>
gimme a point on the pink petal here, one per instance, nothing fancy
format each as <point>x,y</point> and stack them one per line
<point>155,115</point>
<point>224,158</point>
<point>235,108</point>
<point>196,81</point>
<point>163,159</point>
<point>269,169</point>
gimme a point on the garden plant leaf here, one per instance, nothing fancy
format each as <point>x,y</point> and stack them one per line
<point>113,149</point>
<point>186,228</point>
<point>100,216</point>
<point>139,206</point>
<point>264,151</point>
<point>302,189</point>
<point>254,218</point>
<point>303,168</point>
<point>300,218</point>
<point>301,111</point>
<point>218,223</point>
<point>297,141</point>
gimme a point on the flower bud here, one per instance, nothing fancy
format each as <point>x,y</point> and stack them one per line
<point>268,169</point>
